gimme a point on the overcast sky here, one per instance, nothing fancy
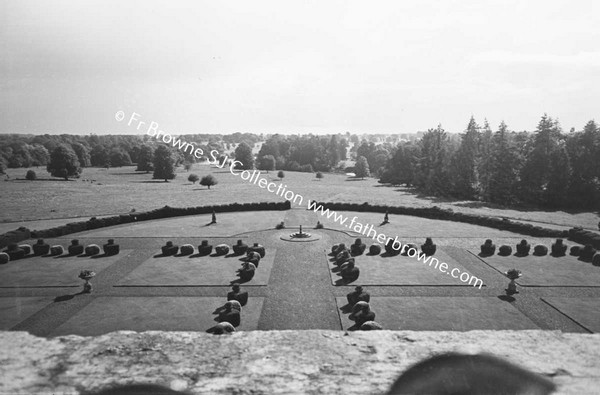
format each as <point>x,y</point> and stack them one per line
<point>296,66</point>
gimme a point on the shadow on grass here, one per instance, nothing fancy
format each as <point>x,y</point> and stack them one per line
<point>151,182</point>
<point>346,309</point>
<point>506,298</point>
<point>64,298</point>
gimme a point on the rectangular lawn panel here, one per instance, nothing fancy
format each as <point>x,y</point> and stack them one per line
<point>443,314</point>
<point>16,309</point>
<point>157,313</point>
<point>50,271</point>
<point>547,270</point>
<point>401,270</point>
<point>584,311</point>
<point>195,271</point>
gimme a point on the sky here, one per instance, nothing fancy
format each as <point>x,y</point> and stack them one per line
<point>296,66</point>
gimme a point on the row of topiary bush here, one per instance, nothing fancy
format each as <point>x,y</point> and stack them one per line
<point>558,249</point>
<point>165,212</point>
<point>436,212</point>
<point>19,251</point>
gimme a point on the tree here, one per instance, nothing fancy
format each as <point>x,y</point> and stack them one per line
<point>243,154</point>
<point>431,173</point>
<point>361,169</point>
<point>556,192</point>
<point>145,159</point>
<point>319,175</point>
<point>266,162</point>
<point>187,166</point>
<point>400,168</point>
<point>164,164</point>
<point>464,162</point>
<point>208,181</point>
<point>83,154</point>
<point>64,163</point>
<point>503,168</point>
<point>30,175</point>
<point>99,156</point>
<point>193,178</point>
<point>119,157</point>
<point>40,155</point>
<point>280,174</point>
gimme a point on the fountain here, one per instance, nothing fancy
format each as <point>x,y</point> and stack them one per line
<point>300,234</point>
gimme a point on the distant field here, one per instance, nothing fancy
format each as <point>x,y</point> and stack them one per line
<point>120,190</point>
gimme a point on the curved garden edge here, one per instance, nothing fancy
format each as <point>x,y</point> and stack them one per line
<point>575,234</point>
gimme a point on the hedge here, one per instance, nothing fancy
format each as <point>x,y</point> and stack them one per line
<point>436,212</point>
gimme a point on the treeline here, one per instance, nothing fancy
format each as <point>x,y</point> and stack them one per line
<point>545,168</point>
<point>104,151</point>
<point>302,153</point>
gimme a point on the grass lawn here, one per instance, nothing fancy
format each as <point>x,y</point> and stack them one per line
<point>120,190</point>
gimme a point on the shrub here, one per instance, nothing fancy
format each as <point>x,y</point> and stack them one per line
<point>258,248</point>
<point>587,253</point>
<point>342,256</point>
<point>558,248</point>
<point>110,248</point>
<point>280,174</point>
<point>319,175</point>
<point>14,252</point>
<point>319,225</point>
<point>169,249</point>
<point>358,248</point>
<point>57,250</point>
<point>253,257</point>
<point>505,250</point>
<point>306,168</point>
<point>428,248</point>
<point>204,248</point>
<point>209,181</point>
<point>389,248</point>
<point>4,258</point>
<point>280,225</point>
<point>186,249</point>
<point>523,248</point>
<point>193,178</point>
<point>540,250</point>
<point>222,249</point>
<point>75,248</point>
<point>375,249</point>
<point>240,248</point>
<point>41,248</point>
<point>488,248</point>
<point>92,249</point>
<point>410,246</point>
<point>596,260</point>
<point>575,250</point>
<point>30,175</point>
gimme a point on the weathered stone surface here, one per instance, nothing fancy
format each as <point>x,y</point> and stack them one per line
<point>277,362</point>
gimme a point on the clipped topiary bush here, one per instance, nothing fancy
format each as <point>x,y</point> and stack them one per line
<point>410,246</point>
<point>57,250</point>
<point>505,250</point>
<point>523,248</point>
<point>240,248</point>
<point>586,254</point>
<point>258,248</point>
<point>540,250</point>
<point>26,248</point>
<point>488,248</point>
<point>358,248</point>
<point>14,252</point>
<point>4,258</point>
<point>428,248</point>
<point>596,260</point>
<point>575,250</point>
<point>337,248</point>
<point>253,257</point>
<point>110,248</point>
<point>342,256</point>
<point>375,249</point>
<point>204,248</point>
<point>558,248</point>
<point>389,248</point>
<point>75,248</point>
<point>41,248</point>
<point>222,249</point>
<point>169,249</point>
<point>186,249</point>
<point>92,249</point>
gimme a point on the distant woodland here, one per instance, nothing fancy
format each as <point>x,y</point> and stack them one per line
<point>547,167</point>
